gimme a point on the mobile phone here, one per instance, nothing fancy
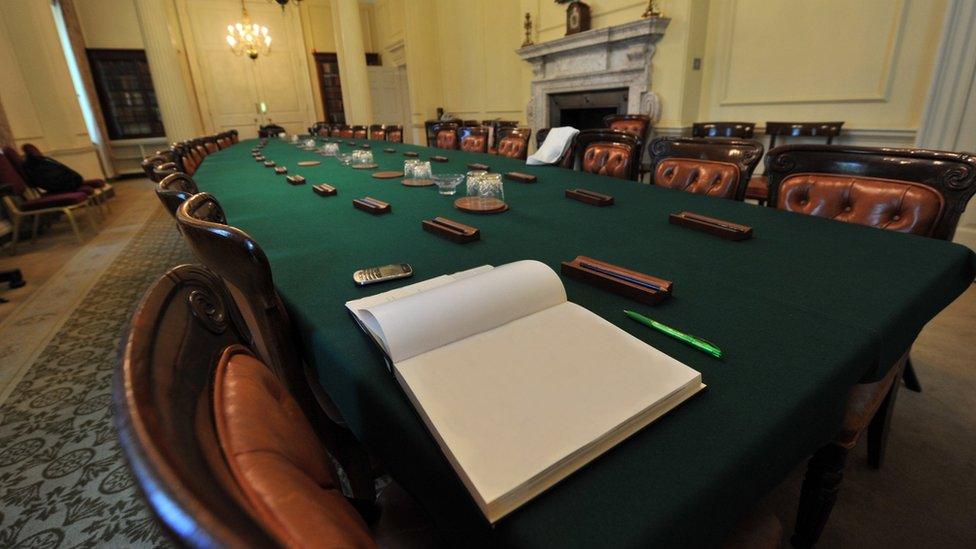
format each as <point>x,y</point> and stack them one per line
<point>373,275</point>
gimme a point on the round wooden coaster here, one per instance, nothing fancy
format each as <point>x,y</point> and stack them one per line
<point>389,150</point>
<point>387,175</point>
<point>418,182</point>
<point>309,163</point>
<point>473,204</point>
<point>365,166</point>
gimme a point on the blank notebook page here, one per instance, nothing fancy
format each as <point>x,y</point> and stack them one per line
<point>510,402</point>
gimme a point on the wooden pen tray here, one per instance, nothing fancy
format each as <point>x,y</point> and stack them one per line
<point>411,154</point>
<point>451,230</point>
<point>438,158</point>
<point>592,198</point>
<point>711,225</point>
<point>324,189</point>
<point>521,177</point>
<point>371,205</point>
<point>614,279</point>
<point>477,166</point>
<point>296,179</point>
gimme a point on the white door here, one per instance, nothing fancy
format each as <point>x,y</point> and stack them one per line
<point>234,87</point>
<point>387,88</point>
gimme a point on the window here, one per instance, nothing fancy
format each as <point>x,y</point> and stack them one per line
<point>125,91</point>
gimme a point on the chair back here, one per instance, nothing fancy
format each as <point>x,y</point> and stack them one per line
<point>270,130</point>
<point>16,161</point>
<point>908,190</point>
<point>394,133</point>
<point>775,130</point>
<point>638,125</point>
<point>608,152</point>
<point>174,190</point>
<point>514,142</point>
<point>359,132</point>
<point>708,165</point>
<point>377,132</point>
<point>498,127</point>
<point>343,131</point>
<point>568,158</point>
<point>31,149</point>
<point>474,139</point>
<point>741,130</point>
<point>10,176</point>
<point>445,135</point>
<point>194,408</point>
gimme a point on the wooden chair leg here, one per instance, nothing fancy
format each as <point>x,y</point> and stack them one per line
<point>911,379</point>
<point>879,427</point>
<point>825,471</point>
<point>74,225</point>
<point>36,224</point>
<point>15,235</point>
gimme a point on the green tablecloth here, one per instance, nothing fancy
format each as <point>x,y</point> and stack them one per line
<point>803,310</point>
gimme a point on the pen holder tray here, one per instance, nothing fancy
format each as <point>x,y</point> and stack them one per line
<point>521,177</point>
<point>592,198</point>
<point>711,225</point>
<point>438,158</point>
<point>411,154</point>
<point>477,166</point>
<point>451,230</point>
<point>323,189</point>
<point>602,276</point>
<point>371,205</point>
<point>281,170</point>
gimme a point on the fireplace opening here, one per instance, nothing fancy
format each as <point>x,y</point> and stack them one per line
<point>585,110</point>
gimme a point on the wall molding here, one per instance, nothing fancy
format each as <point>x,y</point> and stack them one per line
<point>880,95</point>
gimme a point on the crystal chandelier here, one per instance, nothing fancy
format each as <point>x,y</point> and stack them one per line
<point>248,38</point>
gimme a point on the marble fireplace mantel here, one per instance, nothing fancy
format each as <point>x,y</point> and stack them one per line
<point>599,59</point>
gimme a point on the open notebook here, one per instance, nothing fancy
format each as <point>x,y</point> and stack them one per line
<point>518,386</point>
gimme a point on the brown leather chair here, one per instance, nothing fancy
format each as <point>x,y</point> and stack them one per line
<point>174,190</point>
<point>608,152</point>
<point>242,264</point>
<point>568,157</point>
<point>637,125</point>
<point>759,185</point>
<point>741,130</point>
<point>359,132</point>
<point>446,135</point>
<point>710,166</point>
<point>514,142</point>
<point>394,133</point>
<point>916,191</point>
<point>474,139</point>
<point>377,132</point>
<point>221,451</point>
<point>497,128</point>
<point>342,131</point>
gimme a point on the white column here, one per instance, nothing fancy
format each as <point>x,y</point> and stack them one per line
<point>949,120</point>
<point>176,104</point>
<point>348,30</point>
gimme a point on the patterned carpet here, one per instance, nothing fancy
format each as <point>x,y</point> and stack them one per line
<point>63,482</point>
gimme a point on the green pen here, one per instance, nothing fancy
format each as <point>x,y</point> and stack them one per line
<point>695,342</point>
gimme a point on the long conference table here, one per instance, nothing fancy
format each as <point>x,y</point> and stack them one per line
<point>804,310</point>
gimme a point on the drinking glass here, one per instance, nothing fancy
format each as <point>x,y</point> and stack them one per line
<point>488,189</point>
<point>408,166</point>
<point>421,170</point>
<point>473,180</point>
<point>447,183</point>
<point>344,158</point>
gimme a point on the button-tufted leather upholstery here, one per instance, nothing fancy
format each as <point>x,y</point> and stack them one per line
<point>512,147</point>
<point>395,136</point>
<point>346,133</point>
<point>474,143</point>
<point>706,177</point>
<point>359,133</point>
<point>377,135</point>
<point>282,470</point>
<point>633,127</point>
<point>889,204</point>
<point>446,139</point>
<point>611,159</point>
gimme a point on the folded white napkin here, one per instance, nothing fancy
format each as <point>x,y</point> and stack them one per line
<point>553,147</point>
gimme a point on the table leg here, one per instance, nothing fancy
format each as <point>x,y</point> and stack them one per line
<point>825,471</point>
